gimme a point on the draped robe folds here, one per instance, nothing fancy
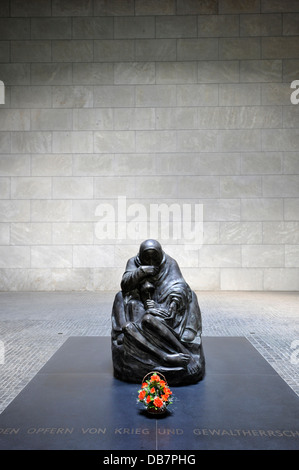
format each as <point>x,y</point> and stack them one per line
<point>133,342</point>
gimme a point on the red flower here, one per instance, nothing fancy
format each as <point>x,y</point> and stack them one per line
<point>155,392</point>
<point>158,402</point>
<point>155,378</point>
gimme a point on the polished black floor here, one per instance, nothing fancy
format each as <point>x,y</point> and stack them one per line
<point>74,402</point>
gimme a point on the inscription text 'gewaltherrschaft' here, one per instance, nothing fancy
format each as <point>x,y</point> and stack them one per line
<point>159,431</point>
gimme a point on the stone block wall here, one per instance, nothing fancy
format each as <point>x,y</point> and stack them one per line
<point>127,104</point>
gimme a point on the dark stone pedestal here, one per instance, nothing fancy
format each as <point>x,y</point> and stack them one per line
<point>74,402</point>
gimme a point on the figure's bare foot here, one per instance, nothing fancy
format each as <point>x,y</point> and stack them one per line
<point>178,359</point>
<point>192,366</point>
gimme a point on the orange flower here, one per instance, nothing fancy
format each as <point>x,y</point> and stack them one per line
<point>158,402</point>
<point>155,392</point>
<point>155,378</point>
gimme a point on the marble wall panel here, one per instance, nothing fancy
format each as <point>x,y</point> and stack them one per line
<point>114,7</point>
<point>159,102</point>
<point>292,256</point>
<point>134,73</point>
<point>30,233</point>
<point>31,187</point>
<point>15,210</point>
<point>281,279</point>
<point>241,279</point>
<point>136,27</point>
<point>15,257</point>
<point>51,165</point>
<point>155,7</point>
<point>94,256</point>
<point>218,71</point>
<point>260,25</point>
<point>14,165</point>
<point>88,27</point>
<point>72,187</point>
<point>208,7</point>
<point>15,28</point>
<point>31,51</point>
<point>268,6</point>
<point>239,6</point>
<point>72,142</point>
<point>218,25</point>
<point>31,8</point>
<point>241,233</point>
<point>51,28</point>
<point>31,142</point>
<point>176,26</point>
<point>255,256</point>
<point>51,256</point>
<point>75,50</point>
<point>51,210</point>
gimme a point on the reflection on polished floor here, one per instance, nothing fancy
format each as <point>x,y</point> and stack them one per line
<point>33,326</point>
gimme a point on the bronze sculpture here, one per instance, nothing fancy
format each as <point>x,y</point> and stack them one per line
<point>156,321</point>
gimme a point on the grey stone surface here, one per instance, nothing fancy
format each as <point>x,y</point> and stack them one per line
<point>173,101</point>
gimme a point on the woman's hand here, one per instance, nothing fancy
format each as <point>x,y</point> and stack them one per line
<point>158,312</point>
<point>149,270</point>
<point>172,309</point>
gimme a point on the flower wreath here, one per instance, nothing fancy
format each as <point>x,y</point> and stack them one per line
<point>155,393</point>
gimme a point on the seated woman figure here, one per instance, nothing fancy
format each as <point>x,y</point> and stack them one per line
<point>156,321</point>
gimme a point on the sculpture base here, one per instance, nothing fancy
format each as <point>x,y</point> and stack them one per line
<point>74,402</point>
<point>133,368</point>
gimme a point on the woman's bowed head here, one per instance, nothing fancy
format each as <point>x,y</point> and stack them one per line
<point>156,320</point>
